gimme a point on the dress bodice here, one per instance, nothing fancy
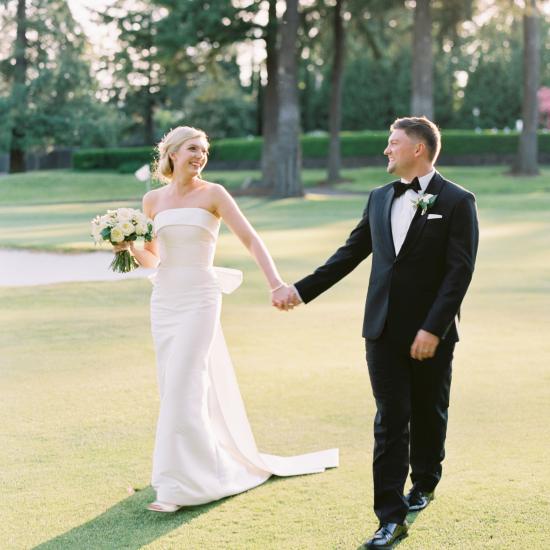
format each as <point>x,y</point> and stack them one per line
<point>186,236</point>
<point>204,445</point>
<point>187,240</point>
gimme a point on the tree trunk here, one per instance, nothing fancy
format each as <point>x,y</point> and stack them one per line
<point>422,65</point>
<point>257,89</point>
<point>149,127</point>
<point>289,183</point>
<point>149,107</point>
<point>270,105</point>
<point>528,143</point>
<point>19,93</point>
<point>335,117</point>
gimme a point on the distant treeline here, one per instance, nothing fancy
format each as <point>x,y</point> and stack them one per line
<point>473,147</point>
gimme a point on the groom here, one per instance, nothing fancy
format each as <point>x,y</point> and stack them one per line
<point>422,231</point>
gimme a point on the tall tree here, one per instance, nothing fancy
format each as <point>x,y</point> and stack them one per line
<point>422,61</point>
<point>138,75</point>
<point>528,145</point>
<point>337,79</point>
<point>270,101</point>
<point>289,183</point>
<point>47,78</point>
<point>212,33</point>
<point>19,92</point>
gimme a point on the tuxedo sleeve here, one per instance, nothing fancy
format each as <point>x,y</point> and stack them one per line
<point>460,260</point>
<point>356,248</point>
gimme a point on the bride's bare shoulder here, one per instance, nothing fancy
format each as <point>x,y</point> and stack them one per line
<point>214,191</point>
<point>214,188</point>
<point>218,196</point>
<point>208,184</point>
<point>150,200</point>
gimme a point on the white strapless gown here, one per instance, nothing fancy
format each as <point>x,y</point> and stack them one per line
<point>204,447</point>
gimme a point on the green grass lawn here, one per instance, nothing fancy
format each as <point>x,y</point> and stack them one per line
<point>79,399</point>
<point>50,209</point>
<point>72,186</point>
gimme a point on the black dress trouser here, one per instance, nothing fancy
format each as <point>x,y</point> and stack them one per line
<point>412,399</point>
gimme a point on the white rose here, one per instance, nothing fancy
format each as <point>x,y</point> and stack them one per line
<point>106,221</point>
<point>117,235</point>
<point>136,216</point>
<point>124,213</point>
<point>127,227</point>
<point>96,231</point>
<point>141,229</point>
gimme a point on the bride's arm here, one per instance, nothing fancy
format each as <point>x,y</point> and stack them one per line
<point>148,256</point>
<point>229,211</point>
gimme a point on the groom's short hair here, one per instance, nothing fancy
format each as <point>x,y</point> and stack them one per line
<point>423,129</point>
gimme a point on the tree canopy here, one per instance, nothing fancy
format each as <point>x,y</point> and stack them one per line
<point>202,62</point>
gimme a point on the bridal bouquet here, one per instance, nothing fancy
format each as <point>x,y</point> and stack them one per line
<point>117,226</point>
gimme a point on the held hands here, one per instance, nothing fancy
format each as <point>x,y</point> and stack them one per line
<point>424,345</point>
<point>284,297</point>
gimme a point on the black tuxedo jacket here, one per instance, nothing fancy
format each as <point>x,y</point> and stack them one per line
<point>424,285</point>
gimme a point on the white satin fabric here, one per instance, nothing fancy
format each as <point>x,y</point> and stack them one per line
<point>204,447</point>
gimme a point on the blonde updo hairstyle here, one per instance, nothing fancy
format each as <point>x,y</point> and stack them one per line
<point>170,143</point>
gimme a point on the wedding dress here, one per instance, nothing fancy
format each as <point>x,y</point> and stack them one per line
<point>204,446</point>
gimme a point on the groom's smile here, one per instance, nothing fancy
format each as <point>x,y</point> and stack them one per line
<point>402,153</point>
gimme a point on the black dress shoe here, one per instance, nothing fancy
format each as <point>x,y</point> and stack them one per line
<point>387,535</point>
<point>418,500</point>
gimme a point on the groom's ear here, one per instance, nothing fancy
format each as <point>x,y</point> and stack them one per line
<point>420,149</point>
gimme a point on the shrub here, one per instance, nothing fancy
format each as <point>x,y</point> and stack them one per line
<point>236,149</point>
<point>112,159</point>
<point>354,144</point>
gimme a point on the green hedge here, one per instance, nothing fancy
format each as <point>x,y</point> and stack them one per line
<point>122,159</point>
<point>464,142</point>
<point>354,144</point>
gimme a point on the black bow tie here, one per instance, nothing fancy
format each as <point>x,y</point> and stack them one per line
<point>400,187</point>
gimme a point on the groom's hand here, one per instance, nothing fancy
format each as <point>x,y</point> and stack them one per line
<point>424,345</point>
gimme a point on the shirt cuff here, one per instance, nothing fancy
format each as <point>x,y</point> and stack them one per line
<point>297,293</point>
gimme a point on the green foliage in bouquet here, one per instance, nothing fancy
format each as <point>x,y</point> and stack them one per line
<point>118,226</point>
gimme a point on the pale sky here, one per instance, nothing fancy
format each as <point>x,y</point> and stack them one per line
<point>101,38</point>
<point>81,14</point>
<point>248,54</point>
<point>99,35</point>
<point>78,7</point>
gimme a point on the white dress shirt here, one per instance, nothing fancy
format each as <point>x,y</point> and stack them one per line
<point>402,211</point>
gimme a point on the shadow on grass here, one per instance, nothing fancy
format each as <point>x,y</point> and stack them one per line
<point>126,525</point>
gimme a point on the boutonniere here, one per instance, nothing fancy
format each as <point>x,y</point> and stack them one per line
<point>424,202</point>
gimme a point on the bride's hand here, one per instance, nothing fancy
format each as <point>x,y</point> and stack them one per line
<point>284,297</point>
<point>124,245</point>
<point>279,295</point>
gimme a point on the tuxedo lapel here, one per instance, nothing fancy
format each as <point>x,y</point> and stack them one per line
<point>385,219</point>
<point>418,222</point>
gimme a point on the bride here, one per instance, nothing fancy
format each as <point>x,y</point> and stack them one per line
<point>204,447</point>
